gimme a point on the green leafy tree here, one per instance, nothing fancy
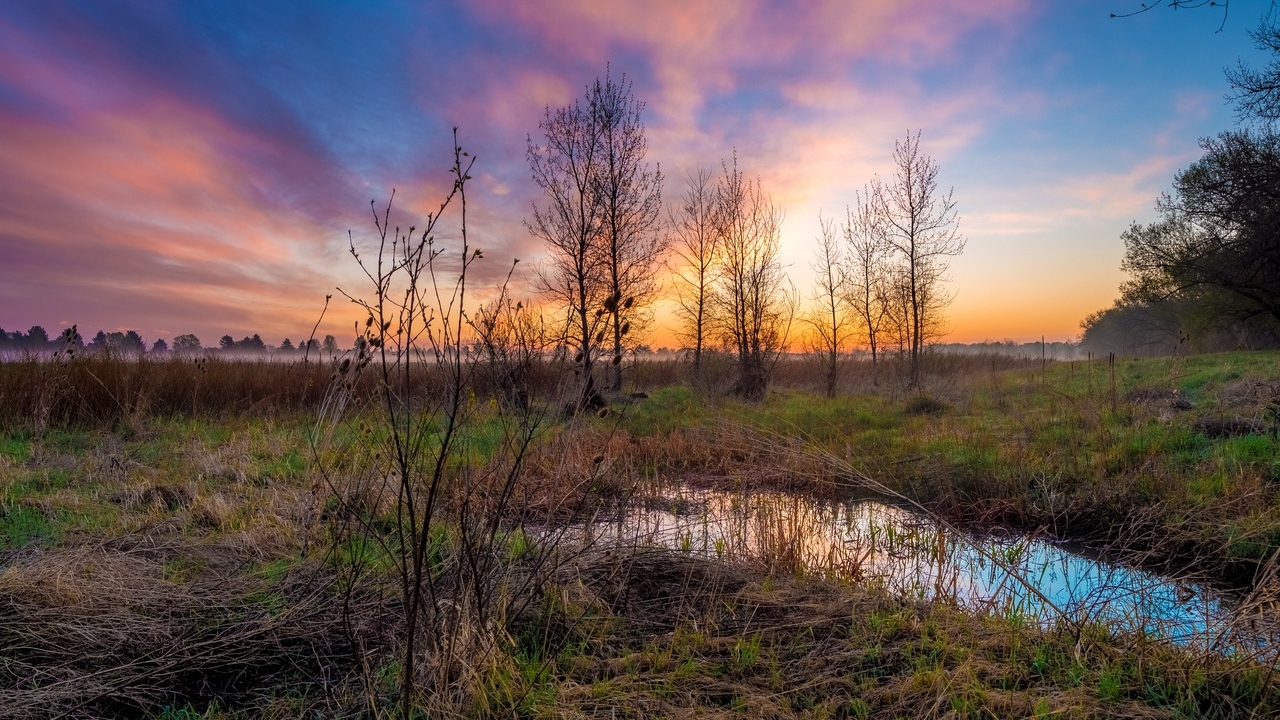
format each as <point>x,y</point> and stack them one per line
<point>187,344</point>
<point>131,343</point>
<point>37,339</point>
<point>1219,231</point>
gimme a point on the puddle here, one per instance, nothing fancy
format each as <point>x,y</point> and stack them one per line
<point>913,556</point>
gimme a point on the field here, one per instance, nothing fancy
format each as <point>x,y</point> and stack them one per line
<point>183,539</point>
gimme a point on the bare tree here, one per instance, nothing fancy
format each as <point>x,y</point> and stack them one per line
<point>868,274</point>
<point>695,244</point>
<point>631,206</point>
<point>897,304</point>
<point>922,225</point>
<point>754,303</point>
<point>1224,6</point>
<point>828,318</point>
<point>567,168</point>
<point>1257,92</point>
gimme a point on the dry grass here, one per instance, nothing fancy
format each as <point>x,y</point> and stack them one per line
<point>125,628</point>
<point>105,391</point>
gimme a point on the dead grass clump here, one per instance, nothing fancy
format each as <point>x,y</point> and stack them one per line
<point>924,405</point>
<point>657,587</point>
<point>156,498</point>
<point>212,511</point>
<point>1230,427</point>
<point>100,632</point>
<point>1158,398</point>
<point>1246,393</point>
<point>228,461</point>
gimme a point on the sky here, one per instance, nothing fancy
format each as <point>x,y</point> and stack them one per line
<point>201,167</point>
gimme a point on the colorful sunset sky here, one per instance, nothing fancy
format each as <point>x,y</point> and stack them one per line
<point>195,167</point>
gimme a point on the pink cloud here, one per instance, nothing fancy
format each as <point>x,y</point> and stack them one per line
<point>153,207</point>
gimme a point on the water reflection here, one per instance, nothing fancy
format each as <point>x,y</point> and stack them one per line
<point>913,556</point>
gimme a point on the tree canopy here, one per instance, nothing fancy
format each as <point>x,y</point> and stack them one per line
<point>1219,230</point>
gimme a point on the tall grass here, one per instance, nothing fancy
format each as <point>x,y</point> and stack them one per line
<point>105,390</point>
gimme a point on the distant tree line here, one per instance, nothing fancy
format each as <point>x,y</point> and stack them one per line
<point>37,340</point>
<point>1206,274</point>
<point>1050,350</point>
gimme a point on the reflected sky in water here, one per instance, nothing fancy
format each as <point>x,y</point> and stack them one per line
<point>913,556</point>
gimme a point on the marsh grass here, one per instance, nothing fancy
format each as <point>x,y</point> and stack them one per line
<point>104,391</point>
<point>204,532</point>
<point>167,572</point>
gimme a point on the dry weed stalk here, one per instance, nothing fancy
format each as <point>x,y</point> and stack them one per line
<point>429,486</point>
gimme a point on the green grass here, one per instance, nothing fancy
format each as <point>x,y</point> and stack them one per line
<point>664,411</point>
<point>15,447</point>
<point>22,525</point>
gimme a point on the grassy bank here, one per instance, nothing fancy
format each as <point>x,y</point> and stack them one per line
<point>663,635</point>
<point>1176,462</point>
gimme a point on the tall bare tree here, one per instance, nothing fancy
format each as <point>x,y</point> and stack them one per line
<point>828,318</point>
<point>631,207</point>
<point>868,274</point>
<point>567,168</point>
<point>923,227</point>
<point>695,243</point>
<point>754,302</point>
<point>897,305</point>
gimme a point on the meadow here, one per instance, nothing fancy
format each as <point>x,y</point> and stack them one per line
<point>199,538</point>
